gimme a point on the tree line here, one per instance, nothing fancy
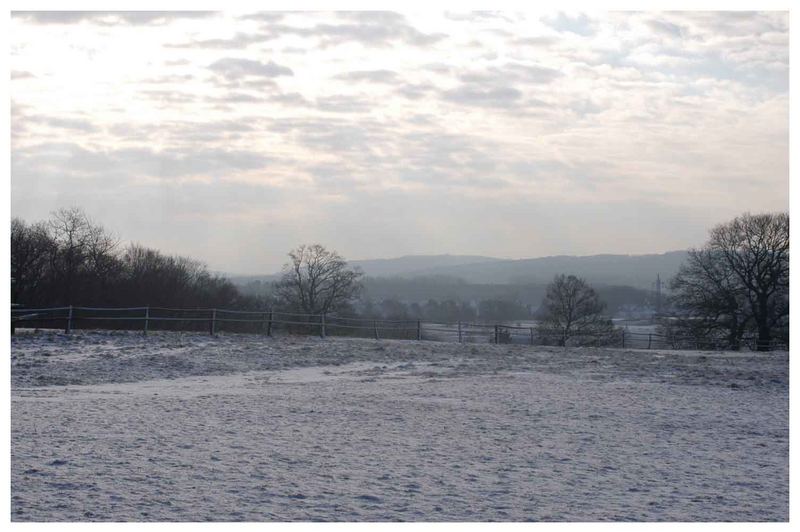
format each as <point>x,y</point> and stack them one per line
<point>71,260</point>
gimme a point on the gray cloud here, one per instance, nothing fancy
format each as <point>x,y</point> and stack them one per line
<point>471,16</point>
<point>428,156</point>
<point>512,72</point>
<point>237,97</point>
<point>344,104</point>
<point>737,23</point>
<point>21,120</point>
<point>72,159</point>
<point>238,41</point>
<point>172,78</point>
<point>370,28</point>
<point>133,18</point>
<point>415,91</point>
<point>235,68</point>
<point>169,97</point>
<point>483,96</point>
<point>497,86</point>
<point>579,24</point>
<point>265,16</point>
<point>290,99</point>
<point>77,124</point>
<point>374,34</point>
<point>339,137</point>
<point>182,133</point>
<point>541,41</point>
<point>373,76</point>
<point>21,74</point>
<point>665,28</point>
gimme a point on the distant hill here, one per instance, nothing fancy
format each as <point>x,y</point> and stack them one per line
<point>402,266</point>
<point>632,270</point>
<point>431,274</point>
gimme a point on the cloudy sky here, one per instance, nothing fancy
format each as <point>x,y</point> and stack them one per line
<point>233,137</point>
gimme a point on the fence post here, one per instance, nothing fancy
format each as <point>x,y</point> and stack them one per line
<point>459,332</point>
<point>322,326</point>
<point>68,328</point>
<point>496,334</point>
<point>269,324</point>
<point>213,323</point>
<point>419,330</point>
<point>375,326</point>
<point>649,340</point>
<point>531,335</point>
<point>146,319</point>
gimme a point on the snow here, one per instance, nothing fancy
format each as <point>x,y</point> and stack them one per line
<point>188,427</point>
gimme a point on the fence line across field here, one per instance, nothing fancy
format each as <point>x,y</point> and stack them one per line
<point>323,324</point>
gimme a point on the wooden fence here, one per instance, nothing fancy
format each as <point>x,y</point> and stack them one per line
<point>277,322</point>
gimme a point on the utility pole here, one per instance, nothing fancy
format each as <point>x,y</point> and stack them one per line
<point>658,294</point>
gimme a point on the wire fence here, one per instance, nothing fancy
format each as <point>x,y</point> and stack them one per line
<point>279,322</point>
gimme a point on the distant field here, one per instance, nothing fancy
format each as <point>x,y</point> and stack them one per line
<point>112,426</point>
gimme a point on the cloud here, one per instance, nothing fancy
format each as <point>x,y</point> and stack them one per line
<point>578,24</point>
<point>133,18</point>
<point>369,28</point>
<point>512,72</point>
<point>264,16</point>
<point>471,16</point>
<point>169,79</point>
<point>235,68</point>
<point>237,97</point>
<point>22,120</point>
<point>666,28</point>
<point>294,99</point>
<point>415,91</point>
<point>373,76</point>
<point>177,133</point>
<point>238,41</point>
<point>536,42</point>
<point>483,96</point>
<point>69,159</point>
<point>76,124</point>
<point>21,74</point>
<point>336,136</point>
<point>344,104</point>
<point>170,97</point>
<point>499,86</point>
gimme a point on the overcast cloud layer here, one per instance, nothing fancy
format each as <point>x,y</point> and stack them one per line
<point>233,138</point>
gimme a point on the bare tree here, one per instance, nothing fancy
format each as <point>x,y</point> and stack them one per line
<point>571,308</point>
<point>317,281</point>
<point>744,278</point>
<point>712,300</point>
<point>32,249</point>
<point>86,260</point>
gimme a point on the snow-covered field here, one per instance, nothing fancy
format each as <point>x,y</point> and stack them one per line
<point>186,427</point>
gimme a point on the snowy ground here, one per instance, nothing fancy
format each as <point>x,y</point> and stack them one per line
<point>186,427</point>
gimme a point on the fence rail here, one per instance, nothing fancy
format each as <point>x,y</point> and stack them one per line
<point>270,322</point>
